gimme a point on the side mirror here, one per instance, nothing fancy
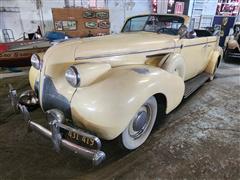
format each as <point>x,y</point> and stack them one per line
<point>217,33</point>
<point>182,31</point>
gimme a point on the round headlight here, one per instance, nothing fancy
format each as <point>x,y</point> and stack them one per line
<point>35,61</point>
<point>72,76</point>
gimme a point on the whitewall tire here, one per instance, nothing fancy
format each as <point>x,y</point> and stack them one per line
<point>213,74</point>
<point>140,126</point>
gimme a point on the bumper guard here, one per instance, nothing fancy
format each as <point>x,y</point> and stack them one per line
<point>95,155</point>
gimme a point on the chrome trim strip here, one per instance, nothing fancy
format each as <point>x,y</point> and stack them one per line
<point>123,54</point>
<point>190,45</point>
<point>136,52</point>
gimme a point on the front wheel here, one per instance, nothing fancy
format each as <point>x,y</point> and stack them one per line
<point>140,126</point>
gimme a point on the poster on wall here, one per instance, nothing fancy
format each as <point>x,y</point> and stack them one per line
<point>179,7</point>
<point>228,7</point>
<point>224,23</point>
<point>58,26</point>
<point>69,25</point>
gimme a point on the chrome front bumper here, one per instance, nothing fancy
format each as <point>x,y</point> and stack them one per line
<point>95,155</point>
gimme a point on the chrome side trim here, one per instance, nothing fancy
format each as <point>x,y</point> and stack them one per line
<point>123,54</point>
<point>136,52</point>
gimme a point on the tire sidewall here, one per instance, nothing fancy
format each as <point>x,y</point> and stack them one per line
<point>127,141</point>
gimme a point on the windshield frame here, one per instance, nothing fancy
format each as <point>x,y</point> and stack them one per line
<point>149,15</point>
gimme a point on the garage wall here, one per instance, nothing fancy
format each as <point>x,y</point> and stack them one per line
<point>38,12</point>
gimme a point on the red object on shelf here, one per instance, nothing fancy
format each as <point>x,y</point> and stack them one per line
<point>154,6</point>
<point>3,48</point>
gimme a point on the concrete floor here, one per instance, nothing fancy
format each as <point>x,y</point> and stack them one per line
<point>198,140</point>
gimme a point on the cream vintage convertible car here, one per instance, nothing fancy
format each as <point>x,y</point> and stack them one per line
<point>117,86</point>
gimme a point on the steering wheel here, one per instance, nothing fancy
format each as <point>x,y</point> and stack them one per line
<point>166,30</point>
<point>161,30</point>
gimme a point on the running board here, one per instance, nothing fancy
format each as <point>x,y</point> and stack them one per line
<point>194,83</point>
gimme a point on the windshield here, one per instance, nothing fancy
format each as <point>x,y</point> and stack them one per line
<point>154,23</point>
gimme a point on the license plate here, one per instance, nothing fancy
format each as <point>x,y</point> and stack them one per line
<point>81,139</point>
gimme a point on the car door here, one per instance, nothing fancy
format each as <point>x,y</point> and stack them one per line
<point>195,54</point>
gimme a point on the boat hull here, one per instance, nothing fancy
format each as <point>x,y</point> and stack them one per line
<point>18,58</point>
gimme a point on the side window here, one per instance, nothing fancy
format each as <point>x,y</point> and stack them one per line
<point>127,26</point>
<point>135,24</point>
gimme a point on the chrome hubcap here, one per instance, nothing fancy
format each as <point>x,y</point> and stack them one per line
<point>140,123</point>
<point>28,98</point>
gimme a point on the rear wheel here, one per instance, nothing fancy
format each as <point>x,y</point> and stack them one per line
<point>215,69</point>
<point>140,126</point>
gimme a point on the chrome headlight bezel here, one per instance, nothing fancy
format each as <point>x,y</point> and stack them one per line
<point>73,76</point>
<point>36,61</point>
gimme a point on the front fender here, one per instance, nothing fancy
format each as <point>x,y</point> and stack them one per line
<point>107,106</point>
<point>33,76</point>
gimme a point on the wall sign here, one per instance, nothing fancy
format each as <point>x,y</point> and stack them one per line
<point>179,7</point>
<point>228,7</point>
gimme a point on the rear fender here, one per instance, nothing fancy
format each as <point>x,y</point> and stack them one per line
<point>214,60</point>
<point>107,106</point>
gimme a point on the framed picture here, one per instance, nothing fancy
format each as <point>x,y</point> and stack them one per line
<point>58,26</point>
<point>91,25</point>
<point>104,24</point>
<point>69,25</point>
<point>89,14</point>
<point>102,15</point>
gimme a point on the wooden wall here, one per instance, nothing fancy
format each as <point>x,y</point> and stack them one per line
<point>67,18</point>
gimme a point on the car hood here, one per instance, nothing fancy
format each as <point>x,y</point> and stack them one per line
<point>105,47</point>
<point>123,43</point>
